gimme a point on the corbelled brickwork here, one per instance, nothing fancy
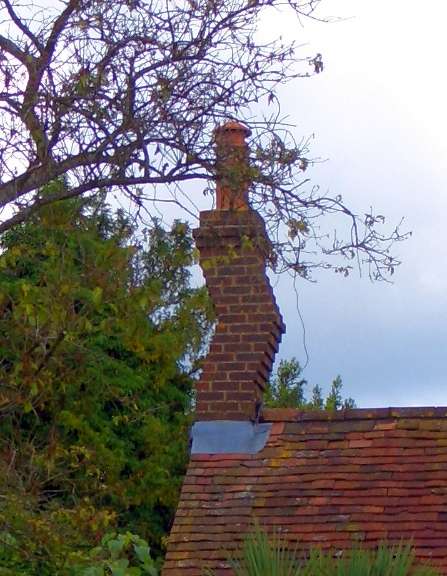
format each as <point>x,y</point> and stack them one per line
<point>323,479</point>
<point>233,249</point>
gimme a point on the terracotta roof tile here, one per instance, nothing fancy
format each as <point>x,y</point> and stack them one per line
<point>323,479</point>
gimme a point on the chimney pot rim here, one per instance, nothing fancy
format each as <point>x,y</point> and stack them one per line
<point>233,126</point>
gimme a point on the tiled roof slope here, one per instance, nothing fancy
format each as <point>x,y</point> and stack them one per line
<point>323,480</point>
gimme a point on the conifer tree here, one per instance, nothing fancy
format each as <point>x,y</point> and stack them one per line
<point>100,335</point>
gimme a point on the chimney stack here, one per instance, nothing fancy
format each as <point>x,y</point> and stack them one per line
<point>234,246</point>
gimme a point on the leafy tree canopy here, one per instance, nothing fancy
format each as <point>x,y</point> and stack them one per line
<point>100,333</point>
<point>288,390</point>
<point>124,95</point>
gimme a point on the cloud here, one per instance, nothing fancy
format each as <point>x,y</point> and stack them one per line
<point>378,114</point>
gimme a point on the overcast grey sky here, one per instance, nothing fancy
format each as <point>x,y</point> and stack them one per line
<point>378,116</point>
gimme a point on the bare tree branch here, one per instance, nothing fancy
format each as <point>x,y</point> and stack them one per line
<point>20,25</point>
<point>8,46</point>
<point>121,94</point>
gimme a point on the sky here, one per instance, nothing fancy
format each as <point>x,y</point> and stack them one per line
<point>377,119</point>
<point>377,115</point>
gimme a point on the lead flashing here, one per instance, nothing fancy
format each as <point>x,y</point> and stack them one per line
<point>229,437</point>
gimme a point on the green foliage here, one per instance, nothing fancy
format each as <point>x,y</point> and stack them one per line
<point>384,561</point>
<point>264,556</point>
<point>118,555</point>
<point>100,333</point>
<point>267,557</point>
<point>287,390</point>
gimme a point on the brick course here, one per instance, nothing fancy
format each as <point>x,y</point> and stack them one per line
<point>233,248</point>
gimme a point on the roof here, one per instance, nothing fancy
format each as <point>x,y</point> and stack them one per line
<point>323,479</point>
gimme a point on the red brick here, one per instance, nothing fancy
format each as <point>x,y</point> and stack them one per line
<point>204,386</point>
<point>247,386</point>
<point>360,443</point>
<point>234,318</point>
<point>224,385</point>
<point>245,329</point>
<point>230,366</point>
<point>238,290</point>
<point>226,338</point>
<point>221,357</point>
<point>211,396</point>
<point>242,376</point>
<point>238,396</point>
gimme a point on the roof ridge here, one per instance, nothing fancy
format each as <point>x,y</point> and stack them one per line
<point>296,415</point>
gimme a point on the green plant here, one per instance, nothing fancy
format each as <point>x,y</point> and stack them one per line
<point>287,390</point>
<point>265,556</point>
<point>118,555</point>
<point>261,555</point>
<point>398,560</point>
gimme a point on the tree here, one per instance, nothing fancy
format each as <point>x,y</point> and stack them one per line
<point>124,95</point>
<point>96,358</point>
<point>287,390</point>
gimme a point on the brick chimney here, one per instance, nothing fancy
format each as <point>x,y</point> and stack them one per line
<point>234,247</point>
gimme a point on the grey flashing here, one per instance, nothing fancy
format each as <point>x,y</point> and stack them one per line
<point>228,437</point>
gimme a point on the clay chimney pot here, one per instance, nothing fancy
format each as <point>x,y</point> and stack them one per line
<point>233,178</point>
<point>232,134</point>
